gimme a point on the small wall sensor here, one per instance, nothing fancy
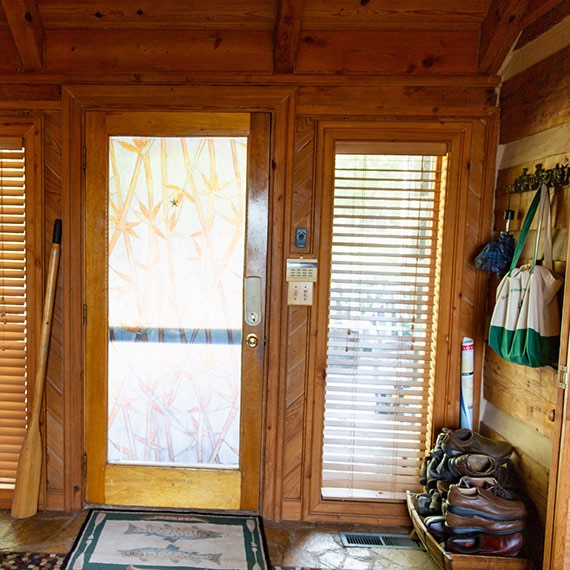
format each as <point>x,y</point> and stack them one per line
<point>301,238</point>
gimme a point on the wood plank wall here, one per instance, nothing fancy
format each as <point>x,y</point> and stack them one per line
<point>288,392</point>
<point>401,88</point>
<point>288,387</point>
<point>534,129</point>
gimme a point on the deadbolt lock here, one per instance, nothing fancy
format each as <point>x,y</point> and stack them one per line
<point>252,340</point>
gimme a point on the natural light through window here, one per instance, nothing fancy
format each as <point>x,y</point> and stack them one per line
<point>382,320</point>
<point>177,211</point>
<point>13,307</point>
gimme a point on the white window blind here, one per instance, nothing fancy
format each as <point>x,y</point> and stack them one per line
<point>13,399</point>
<point>382,319</point>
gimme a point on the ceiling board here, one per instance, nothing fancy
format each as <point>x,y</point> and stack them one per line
<point>289,36</point>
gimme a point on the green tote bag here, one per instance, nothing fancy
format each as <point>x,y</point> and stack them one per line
<point>525,324</point>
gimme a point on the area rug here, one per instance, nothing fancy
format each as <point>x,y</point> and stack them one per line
<point>133,540</point>
<point>31,561</point>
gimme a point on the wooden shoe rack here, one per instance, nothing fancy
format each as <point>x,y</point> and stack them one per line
<point>446,560</point>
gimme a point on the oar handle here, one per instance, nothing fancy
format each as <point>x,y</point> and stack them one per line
<point>56,232</point>
<point>46,322</point>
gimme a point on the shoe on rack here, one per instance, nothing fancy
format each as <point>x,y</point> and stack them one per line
<point>469,501</point>
<point>421,502</point>
<point>437,449</point>
<point>459,524</point>
<point>432,475</point>
<point>486,544</point>
<point>489,484</point>
<point>464,440</point>
<point>443,488</point>
<point>507,476</point>
<point>446,471</point>
<point>428,504</point>
<point>436,527</point>
<point>473,465</point>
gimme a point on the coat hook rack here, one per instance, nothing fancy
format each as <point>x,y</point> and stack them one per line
<point>558,176</point>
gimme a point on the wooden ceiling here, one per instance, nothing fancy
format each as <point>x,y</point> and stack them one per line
<point>335,37</point>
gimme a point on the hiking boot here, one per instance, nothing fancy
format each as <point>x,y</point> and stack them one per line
<point>446,471</point>
<point>432,475</point>
<point>427,504</point>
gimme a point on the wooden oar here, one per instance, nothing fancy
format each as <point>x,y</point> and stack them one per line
<point>27,489</point>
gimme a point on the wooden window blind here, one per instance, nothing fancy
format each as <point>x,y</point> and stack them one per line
<point>13,310</point>
<point>382,319</point>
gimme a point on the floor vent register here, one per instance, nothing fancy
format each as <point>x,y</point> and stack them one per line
<point>379,540</point>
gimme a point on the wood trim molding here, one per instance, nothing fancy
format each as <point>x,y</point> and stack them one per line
<point>77,99</point>
<point>452,322</point>
<point>72,280</point>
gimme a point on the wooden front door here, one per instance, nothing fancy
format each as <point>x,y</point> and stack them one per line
<point>175,249</point>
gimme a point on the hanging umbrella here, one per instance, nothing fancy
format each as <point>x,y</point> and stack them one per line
<point>497,255</point>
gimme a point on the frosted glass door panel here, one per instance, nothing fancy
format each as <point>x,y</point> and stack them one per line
<point>176,243</point>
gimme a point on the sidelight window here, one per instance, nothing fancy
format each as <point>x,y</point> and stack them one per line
<point>13,307</point>
<point>382,319</point>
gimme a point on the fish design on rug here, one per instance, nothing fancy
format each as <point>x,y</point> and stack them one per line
<point>172,553</point>
<point>172,533</point>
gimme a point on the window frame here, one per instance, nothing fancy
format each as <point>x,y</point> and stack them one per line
<point>30,131</point>
<point>350,350</point>
<point>457,137</point>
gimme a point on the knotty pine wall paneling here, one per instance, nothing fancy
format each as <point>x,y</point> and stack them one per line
<point>55,420</point>
<point>519,402</point>
<point>294,409</point>
<point>427,91</point>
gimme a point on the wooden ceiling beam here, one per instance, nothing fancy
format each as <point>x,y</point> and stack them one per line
<point>287,32</point>
<point>538,8</point>
<point>499,32</point>
<point>25,24</point>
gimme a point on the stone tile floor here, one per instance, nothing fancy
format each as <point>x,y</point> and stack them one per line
<point>318,545</point>
<point>313,545</point>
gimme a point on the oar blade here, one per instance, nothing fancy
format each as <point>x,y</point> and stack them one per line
<point>26,493</point>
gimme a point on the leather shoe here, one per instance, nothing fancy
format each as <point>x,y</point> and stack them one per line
<point>436,527</point>
<point>427,504</point>
<point>486,544</point>
<point>459,524</point>
<point>468,441</point>
<point>473,465</point>
<point>446,471</point>
<point>478,501</point>
<point>488,483</point>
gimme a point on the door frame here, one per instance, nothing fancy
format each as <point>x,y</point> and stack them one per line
<point>558,497</point>
<point>79,99</point>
